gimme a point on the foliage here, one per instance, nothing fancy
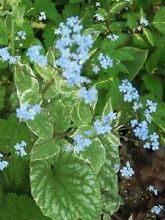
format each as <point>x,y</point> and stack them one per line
<point>69,170</point>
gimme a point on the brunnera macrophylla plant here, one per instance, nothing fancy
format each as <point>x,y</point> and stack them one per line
<point>63,146</point>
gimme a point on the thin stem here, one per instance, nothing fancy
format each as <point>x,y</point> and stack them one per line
<point>12,35</point>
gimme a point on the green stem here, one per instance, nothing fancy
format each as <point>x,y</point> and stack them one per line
<point>12,35</point>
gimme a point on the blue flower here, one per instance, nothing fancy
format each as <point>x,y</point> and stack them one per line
<point>130,93</point>
<point>27,112</point>
<point>96,69</point>
<point>5,56</point>
<point>153,190</point>
<point>81,143</point>
<point>3,163</point>
<point>21,35</point>
<point>104,126</point>
<point>105,61</point>
<point>157,209</point>
<point>113,37</point>
<point>34,55</point>
<point>20,149</point>
<point>141,130</point>
<point>74,49</point>
<point>127,171</point>
<point>151,107</point>
<point>144,21</point>
<point>89,96</point>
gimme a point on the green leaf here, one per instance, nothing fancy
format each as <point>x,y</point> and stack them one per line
<point>44,149</point>
<point>3,30</point>
<point>139,58</point>
<point>66,181</point>
<point>41,125</point>
<point>109,184</point>
<point>60,115</point>
<point>15,178</point>
<point>81,114</point>
<point>96,154</point>
<point>159,20</point>
<point>149,36</point>
<point>31,96</point>
<point>111,143</point>
<point>25,79</point>
<point>159,116</point>
<point>49,9</point>
<point>154,85</point>
<point>55,85</point>
<point>74,1</point>
<point>2,95</point>
<point>21,207</point>
<point>117,7</point>
<point>12,132</point>
<point>1,194</point>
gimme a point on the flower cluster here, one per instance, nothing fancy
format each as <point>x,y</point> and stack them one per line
<point>140,129</point>
<point>3,163</point>
<point>27,111</point>
<point>157,209</point>
<point>74,50</point>
<point>130,93</point>
<point>42,16</point>
<point>89,96</point>
<point>34,55</point>
<point>81,142</point>
<point>20,151</point>
<point>151,107</point>
<point>153,190</point>
<point>153,142</point>
<point>5,56</point>
<point>113,37</point>
<point>104,126</point>
<point>127,171</point>
<point>105,61</point>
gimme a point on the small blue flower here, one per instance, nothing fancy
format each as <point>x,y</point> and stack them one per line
<point>3,163</point>
<point>113,37</point>
<point>81,143</point>
<point>89,96</point>
<point>21,35</point>
<point>5,56</point>
<point>99,17</point>
<point>130,93</point>
<point>127,171</point>
<point>42,16</point>
<point>96,69</point>
<point>105,61</point>
<point>137,106</point>
<point>27,112</point>
<point>34,55</point>
<point>141,130</point>
<point>154,141</point>
<point>144,21</point>
<point>104,126</point>
<point>20,151</point>
<point>157,209</point>
<point>74,49</point>
<point>153,190</point>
